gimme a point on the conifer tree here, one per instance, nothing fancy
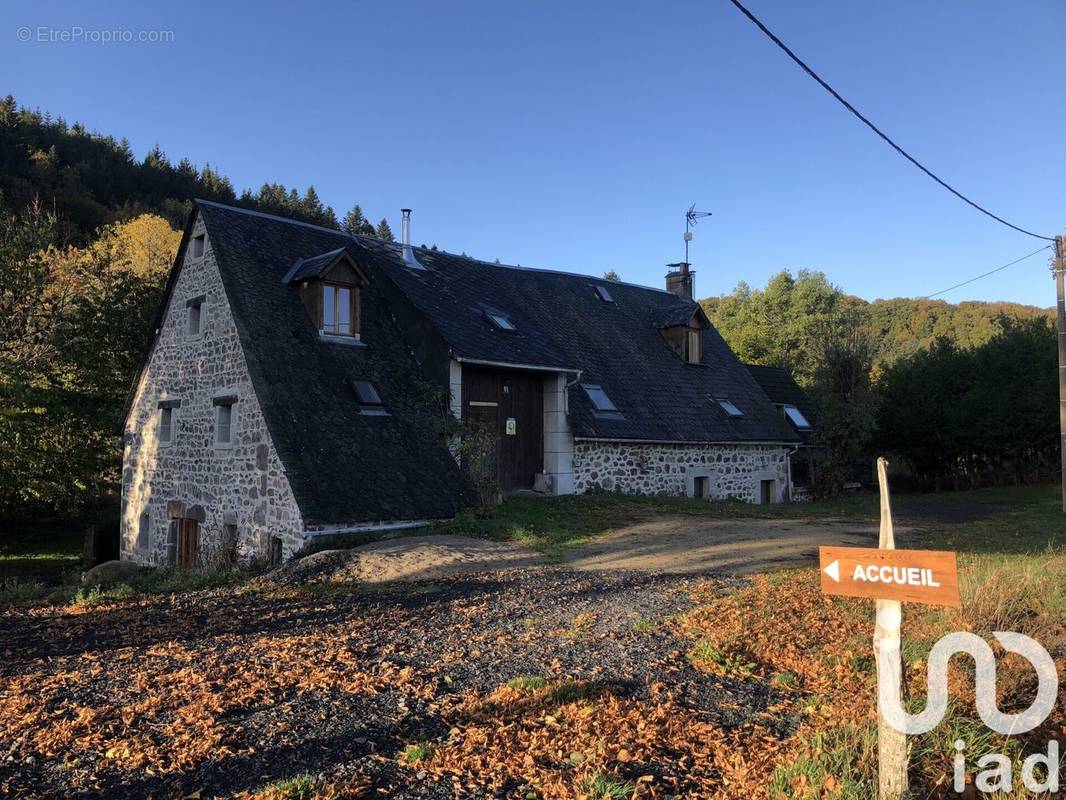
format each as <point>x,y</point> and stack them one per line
<point>384,231</point>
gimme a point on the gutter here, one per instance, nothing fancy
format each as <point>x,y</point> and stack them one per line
<point>512,365</point>
<point>373,527</point>
<point>678,441</point>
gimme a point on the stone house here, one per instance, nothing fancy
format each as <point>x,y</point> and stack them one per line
<point>298,380</point>
<point>796,408</point>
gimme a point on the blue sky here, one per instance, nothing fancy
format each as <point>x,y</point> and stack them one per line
<point>574,135</point>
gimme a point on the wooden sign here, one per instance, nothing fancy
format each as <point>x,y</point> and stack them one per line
<point>910,576</point>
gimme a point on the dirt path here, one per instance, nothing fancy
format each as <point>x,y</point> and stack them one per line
<point>668,544</point>
<point>694,545</point>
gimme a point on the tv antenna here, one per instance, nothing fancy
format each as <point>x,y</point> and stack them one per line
<point>692,216</point>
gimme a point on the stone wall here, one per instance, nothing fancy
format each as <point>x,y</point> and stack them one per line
<point>671,469</point>
<point>242,485</point>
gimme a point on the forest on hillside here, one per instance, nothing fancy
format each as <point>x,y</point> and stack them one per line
<point>962,393</point>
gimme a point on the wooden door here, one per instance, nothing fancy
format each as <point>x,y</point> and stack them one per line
<point>511,404</point>
<point>188,542</point>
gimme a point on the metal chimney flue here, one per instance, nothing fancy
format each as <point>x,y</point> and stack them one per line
<point>405,239</point>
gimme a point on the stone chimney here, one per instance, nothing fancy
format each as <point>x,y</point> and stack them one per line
<point>679,280</point>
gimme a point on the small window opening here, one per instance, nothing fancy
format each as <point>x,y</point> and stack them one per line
<point>369,400</point>
<point>797,418</point>
<point>198,246</point>
<point>500,320</point>
<point>729,407</point>
<point>143,529</point>
<point>166,425</point>
<point>599,398</point>
<point>276,551</point>
<point>702,487</point>
<point>338,310</point>
<point>195,326</point>
<point>225,418</point>
<point>603,294</point>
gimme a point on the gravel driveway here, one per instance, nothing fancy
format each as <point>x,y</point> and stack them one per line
<point>696,545</point>
<point>680,545</point>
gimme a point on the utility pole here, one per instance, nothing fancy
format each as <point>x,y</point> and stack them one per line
<point>1060,267</point>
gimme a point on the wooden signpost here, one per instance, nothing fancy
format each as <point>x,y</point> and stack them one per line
<point>891,577</point>
<point>910,576</point>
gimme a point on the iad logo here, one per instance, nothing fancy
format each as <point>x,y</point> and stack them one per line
<point>998,779</point>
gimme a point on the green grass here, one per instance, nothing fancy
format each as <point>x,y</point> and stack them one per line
<point>419,751</point>
<point>45,553</point>
<point>601,787</point>
<point>569,692</point>
<point>645,625</point>
<point>20,591</point>
<point>527,683</point>
<point>299,787</point>
<point>551,524</point>
<point>836,766</point>
<point>708,655</point>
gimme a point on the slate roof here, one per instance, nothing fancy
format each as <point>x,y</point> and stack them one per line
<point>314,267</point>
<point>674,315</point>
<point>561,323</point>
<point>343,466</point>
<point>782,389</point>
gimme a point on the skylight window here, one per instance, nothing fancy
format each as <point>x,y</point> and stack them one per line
<point>369,400</point>
<point>599,398</point>
<point>729,407</point>
<point>603,293</point>
<point>796,417</point>
<point>500,320</point>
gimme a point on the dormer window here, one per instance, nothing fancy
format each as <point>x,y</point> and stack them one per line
<point>340,310</point>
<point>331,285</point>
<point>683,327</point>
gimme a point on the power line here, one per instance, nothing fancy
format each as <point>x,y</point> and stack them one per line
<point>986,274</point>
<point>877,130</point>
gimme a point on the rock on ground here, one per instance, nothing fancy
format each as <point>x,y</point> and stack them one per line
<point>408,558</point>
<point>110,572</point>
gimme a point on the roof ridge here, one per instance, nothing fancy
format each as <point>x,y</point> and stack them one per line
<point>253,213</point>
<point>359,238</point>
